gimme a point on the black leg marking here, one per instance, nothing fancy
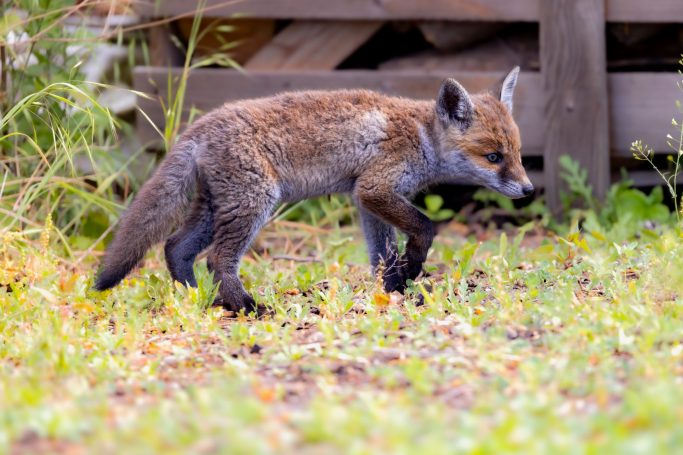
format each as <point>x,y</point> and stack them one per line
<point>380,238</point>
<point>196,234</point>
<point>394,209</point>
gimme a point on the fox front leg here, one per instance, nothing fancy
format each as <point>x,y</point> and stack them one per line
<point>380,238</point>
<point>392,208</point>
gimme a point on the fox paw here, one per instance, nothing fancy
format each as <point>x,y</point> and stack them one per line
<point>395,278</point>
<point>394,282</point>
<point>412,270</point>
<point>246,303</point>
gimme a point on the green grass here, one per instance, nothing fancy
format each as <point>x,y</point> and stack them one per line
<point>525,343</point>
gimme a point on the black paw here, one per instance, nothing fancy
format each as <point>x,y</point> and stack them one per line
<point>412,269</point>
<point>394,281</point>
<point>245,302</point>
<point>395,278</point>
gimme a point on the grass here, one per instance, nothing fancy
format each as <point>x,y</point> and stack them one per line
<point>517,342</point>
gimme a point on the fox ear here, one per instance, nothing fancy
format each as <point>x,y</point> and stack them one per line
<point>508,88</point>
<point>454,106</point>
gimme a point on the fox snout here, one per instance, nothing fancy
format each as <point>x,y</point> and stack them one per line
<point>523,190</point>
<point>528,190</point>
<point>514,188</point>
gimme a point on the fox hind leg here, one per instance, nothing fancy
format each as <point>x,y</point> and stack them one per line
<point>236,223</point>
<point>195,235</point>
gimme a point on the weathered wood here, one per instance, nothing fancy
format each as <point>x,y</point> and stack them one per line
<point>644,11</point>
<point>107,7</point>
<point>537,178</point>
<point>573,68</point>
<point>484,10</point>
<point>645,178</point>
<point>454,36</point>
<point>641,107</point>
<point>642,104</point>
<point>208,88</point>
<point>494,55</point>
<point>312,45</point>
<point>519,10</point>
<point>240,39</point>
<point>630,34</point>
<point>162,51</point>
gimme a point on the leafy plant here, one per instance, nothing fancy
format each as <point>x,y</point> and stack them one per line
<point>576,179</point>
<point>173,105</point>
<point>625,204</point>
<point>488,197</point>
<point>334,210</point>
<point>173,111</point>
<point>625,211</point>
<point>494,201</point>
<point>434,208</point>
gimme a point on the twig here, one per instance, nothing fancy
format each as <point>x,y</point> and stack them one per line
<point>286,257</point>
<point>90,249</point>
<point>131,28</point>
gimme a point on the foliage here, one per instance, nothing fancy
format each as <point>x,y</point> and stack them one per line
<point>534,210</point>
<point>335,210</point>
<point>173,112</point>
<point>434,208</point>
<point>60,153</point>
<point>576,179</point>
<point>624,213</point>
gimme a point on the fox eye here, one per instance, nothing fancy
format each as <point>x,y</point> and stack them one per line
<point>496,157</point>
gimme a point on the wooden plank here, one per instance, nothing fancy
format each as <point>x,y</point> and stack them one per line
<point>648,11</point>
<point>208,88</point>
<point>574,74</point>
<point>244,37</point>
<point>312,45</point>
<point>162,51</point>
<point>481,10</point>
<point>499,54</point>
<point>537,178</point>
<point>645,178</point>
<point>449,37</point>
<point>519,10</point>
<point>642,106</point>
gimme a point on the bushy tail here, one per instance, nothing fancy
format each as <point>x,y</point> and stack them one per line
<point>158,207</point>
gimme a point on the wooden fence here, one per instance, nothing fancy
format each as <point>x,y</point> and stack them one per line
<point>572,106</point>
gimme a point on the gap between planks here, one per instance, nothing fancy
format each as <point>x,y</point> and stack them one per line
<point>312,45</point>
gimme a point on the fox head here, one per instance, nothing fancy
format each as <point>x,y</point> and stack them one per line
<point>478,140</point>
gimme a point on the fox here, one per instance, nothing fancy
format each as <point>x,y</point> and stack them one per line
<point>232,167</point>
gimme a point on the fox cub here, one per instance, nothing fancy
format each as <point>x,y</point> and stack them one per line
<point>235,164</point>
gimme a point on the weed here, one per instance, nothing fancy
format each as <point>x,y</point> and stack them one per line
<point>643,152</point>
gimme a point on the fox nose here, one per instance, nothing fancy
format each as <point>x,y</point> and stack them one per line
<point>528,190</point>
